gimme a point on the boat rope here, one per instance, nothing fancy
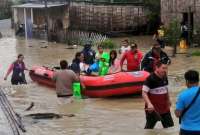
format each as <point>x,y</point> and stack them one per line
<point>13,118</point>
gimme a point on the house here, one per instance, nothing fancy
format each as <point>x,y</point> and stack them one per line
<point>104,16</point>
<point>185,11</point>
<point>39,20</point>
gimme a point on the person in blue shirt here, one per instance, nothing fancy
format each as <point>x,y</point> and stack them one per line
<point>89,54</point>
<point>190,121</point>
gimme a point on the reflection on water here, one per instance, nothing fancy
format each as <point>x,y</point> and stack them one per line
<point>119,116</point>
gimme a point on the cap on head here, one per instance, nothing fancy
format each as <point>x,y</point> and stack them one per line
<point>87,45</point>
<point>88,42</point>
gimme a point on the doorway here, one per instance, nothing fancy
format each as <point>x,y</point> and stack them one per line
<point>186,19</point>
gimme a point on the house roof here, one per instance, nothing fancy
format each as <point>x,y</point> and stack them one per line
<point>37,5</point>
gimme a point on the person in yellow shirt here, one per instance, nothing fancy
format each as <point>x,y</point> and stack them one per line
<point>159,36</point>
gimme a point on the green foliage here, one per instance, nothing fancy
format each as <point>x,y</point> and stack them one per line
<point>173,33</point>
<point>152,5</point>
<point>5,13</point>
<point>5,10</point>
<point>196,53</point>
<point>16,2</point>
<point>75,41</point>
<point>108,44</point>
<point>153,14</point>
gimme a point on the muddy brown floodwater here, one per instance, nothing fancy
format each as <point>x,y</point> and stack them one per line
<point>103,116</point>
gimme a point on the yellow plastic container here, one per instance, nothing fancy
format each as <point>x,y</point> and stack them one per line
<point>183,44</point>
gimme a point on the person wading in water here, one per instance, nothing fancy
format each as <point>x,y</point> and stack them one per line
<point>64,80</point>
<point>17,67</point>
<point>156,96</point>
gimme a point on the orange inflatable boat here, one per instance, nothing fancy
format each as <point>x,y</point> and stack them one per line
<point>42,75</point>
<point>122,83</point>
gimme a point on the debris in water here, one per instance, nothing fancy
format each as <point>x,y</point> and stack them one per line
<point>30,107</point>
<point>48,115</point>
<point>44,46</point>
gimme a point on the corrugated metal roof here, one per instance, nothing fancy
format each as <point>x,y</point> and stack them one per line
<point>35,5</point>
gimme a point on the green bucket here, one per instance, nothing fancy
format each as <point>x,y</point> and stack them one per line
<point>77,90</point>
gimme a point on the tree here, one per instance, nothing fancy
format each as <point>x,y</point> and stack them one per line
<point>5,9</point>
<point>153,14</point>
<point>173,34</point>
<point>19,1</point>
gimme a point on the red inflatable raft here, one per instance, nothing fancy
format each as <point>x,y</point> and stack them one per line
<point>42,75</point>
<point>122,83</point>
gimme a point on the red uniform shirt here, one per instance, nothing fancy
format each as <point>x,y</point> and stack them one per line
<point>133,60</point>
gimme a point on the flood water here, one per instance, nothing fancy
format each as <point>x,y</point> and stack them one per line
<point>103,116</point>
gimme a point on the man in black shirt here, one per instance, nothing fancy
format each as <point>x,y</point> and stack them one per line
<point>156,97</point>
<point>152,57</point>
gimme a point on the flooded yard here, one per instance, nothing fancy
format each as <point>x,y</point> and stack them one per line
<point>103,116</point>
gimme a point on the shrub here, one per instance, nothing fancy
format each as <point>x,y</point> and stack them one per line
<point>196,53</point>
<point>108,44</point>
<point>152,11</point>
<point>173,33</point>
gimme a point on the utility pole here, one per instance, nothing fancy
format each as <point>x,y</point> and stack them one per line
<point>46,21</point>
